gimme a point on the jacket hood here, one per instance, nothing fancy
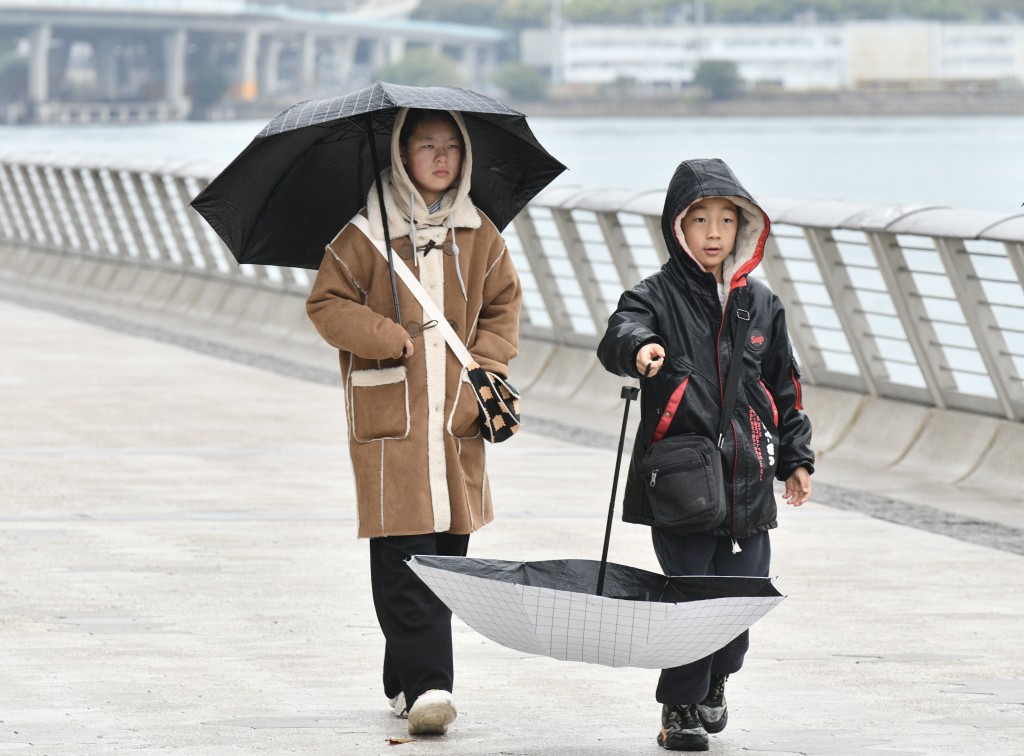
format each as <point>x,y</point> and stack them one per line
<point>406,211</point>
<point>696,180</point>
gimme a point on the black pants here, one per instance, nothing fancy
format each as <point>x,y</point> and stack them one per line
<point>705,554</point>
<point>417,626</point>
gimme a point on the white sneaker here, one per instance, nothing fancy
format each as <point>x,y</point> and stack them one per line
<point>398,705</point>
<point>432,713</point>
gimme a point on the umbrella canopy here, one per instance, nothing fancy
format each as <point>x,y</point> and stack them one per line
<point>283,199</point>
<point>642,619</point>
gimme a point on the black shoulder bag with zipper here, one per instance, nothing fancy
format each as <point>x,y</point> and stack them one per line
<point>682,475</point>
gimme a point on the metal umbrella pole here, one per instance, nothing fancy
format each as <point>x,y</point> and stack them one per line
<point>629,393</point>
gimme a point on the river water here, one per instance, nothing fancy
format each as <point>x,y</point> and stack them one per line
<point>963,161</point>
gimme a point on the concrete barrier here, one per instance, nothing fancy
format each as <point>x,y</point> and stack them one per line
<point>882,432</point>
<point>950,446</point>
<point>999,467</point>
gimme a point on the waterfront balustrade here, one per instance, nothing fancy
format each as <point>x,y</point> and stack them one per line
<point>919,304</point>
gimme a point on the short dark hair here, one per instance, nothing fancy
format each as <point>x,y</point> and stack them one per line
<point>417,116</point>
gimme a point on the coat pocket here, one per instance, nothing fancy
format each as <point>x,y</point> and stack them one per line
<point>378,401</point>
<point>464,420</point>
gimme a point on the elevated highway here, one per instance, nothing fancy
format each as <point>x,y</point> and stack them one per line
<point>111,60</point>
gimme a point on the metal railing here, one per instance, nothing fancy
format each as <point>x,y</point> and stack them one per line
<point>922,304</point>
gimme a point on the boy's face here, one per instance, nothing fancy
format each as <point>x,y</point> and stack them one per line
<point>432,157</point>
<point>709,229</point>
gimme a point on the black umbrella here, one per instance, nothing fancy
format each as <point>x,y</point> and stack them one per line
<point>283,199</point>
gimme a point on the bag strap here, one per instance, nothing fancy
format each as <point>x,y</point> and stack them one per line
<point>430,307</point>
<point>732,379</point>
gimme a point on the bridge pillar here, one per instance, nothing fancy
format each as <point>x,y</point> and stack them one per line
<point>106,67</point>
<point>247,88</point>
<point>270,67</point>
<point>395,49</point>
<point>344,49</point>
<point>39,64</point>
<point>379,52</point>
<point>307,70</point>
<point>468,64</point>
<point>175,50</point>
<point>485,63</point>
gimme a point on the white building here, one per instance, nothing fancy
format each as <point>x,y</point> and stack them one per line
<point>918,54</point>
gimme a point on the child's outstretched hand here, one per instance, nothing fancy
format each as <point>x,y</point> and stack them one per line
<point>798,487</point>
<point>650,354</point>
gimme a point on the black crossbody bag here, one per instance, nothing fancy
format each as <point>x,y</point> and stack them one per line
<point>682,475</point>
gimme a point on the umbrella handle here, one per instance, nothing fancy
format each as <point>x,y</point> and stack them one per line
<point>629,393</point>
<point>384,221</point>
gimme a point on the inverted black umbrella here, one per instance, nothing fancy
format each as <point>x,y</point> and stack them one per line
<point>283,199</point>
<point>598,612</point>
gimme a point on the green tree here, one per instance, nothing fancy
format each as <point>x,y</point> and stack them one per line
<point>422,68</point>
<point>510,15</point>
<point>514,15</point>
<point>721,78</point>
<point>521,82</point>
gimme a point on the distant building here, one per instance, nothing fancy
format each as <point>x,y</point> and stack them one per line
<point>923,55</point>
<point>798,57</point>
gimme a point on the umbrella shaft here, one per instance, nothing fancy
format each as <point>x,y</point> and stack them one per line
<point>629,393</point>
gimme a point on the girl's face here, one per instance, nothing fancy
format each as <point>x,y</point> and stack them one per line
<point>432,156</point>
<point>709,229</point>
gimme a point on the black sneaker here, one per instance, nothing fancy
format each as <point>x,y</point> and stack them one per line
<point>713,711</point>
<point>681,730</point>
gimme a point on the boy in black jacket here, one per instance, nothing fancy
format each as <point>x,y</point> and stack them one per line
<point>678,326</point>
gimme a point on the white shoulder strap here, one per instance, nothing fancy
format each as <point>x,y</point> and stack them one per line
<point>430,307</point>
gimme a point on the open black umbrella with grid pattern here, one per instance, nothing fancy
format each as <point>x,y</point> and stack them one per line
<point>309,170</point>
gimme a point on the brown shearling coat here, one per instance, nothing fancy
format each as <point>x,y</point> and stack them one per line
<point>416,449</point>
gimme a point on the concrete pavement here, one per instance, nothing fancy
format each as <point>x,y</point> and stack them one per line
<point>179,574</point>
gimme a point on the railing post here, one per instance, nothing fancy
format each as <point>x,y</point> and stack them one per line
<point>11,222</point>
<point>987,335</point>
<point>581,266</point>
<point>526,230</point>
<point>843,295</point>
<point>98,209</point>
<point>157,242</point>
<point>78,225</point>
<point>56,209</point>
<point>909,306</point>
<point>32,231</point>
<point>776,272</point>
<point>618,247</point>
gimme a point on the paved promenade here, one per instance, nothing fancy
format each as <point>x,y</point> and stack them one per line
<point>179,574</point>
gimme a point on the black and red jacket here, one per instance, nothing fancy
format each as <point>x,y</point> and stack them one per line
<point>678,307</point>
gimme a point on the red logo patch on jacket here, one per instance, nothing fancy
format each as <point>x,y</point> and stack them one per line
<point>756,340</point>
